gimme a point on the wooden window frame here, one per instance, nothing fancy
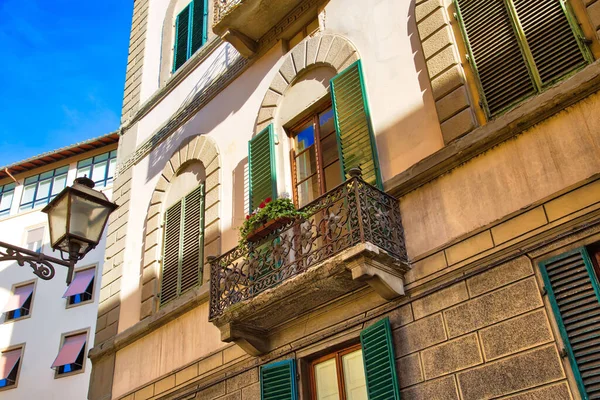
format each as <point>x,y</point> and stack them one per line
<point>320,168</point>
<point>337,355</point>
<point>31,300</point>
<point>21,347</point>
<point>93,293</point>
<point>63,338</point>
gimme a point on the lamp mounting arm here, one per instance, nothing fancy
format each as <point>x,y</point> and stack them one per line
<point>41,264</point>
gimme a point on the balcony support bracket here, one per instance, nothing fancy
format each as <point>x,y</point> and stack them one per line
<point>253,341</point>
<point>243,44</point>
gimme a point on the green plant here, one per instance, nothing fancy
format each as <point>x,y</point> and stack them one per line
<point>269,210</point>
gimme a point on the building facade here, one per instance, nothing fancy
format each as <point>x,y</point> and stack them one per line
<point>47,327</point>
<point>445,158</point>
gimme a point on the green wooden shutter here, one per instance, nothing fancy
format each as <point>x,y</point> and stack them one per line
<point>199,24</point>
<point>572,288</point>
<point>193,239</point>
<point>356,142</point>
<point>261,166</point>
<point>553,44</point>
<point>494,53</point>
<point>278,381</point>
<point>378,358</point>
<point>171,261</point>
<point>182,31</point>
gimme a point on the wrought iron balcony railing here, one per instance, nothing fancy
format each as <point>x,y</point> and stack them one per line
<point>222,7</point>
<point>353,213</point>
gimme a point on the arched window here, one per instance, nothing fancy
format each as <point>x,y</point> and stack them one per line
<point>183,233</point>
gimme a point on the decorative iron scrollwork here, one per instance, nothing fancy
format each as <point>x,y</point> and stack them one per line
<point>42,265</point>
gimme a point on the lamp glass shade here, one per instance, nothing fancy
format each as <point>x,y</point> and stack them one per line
<point>87,218</point>
<point>58,220</point>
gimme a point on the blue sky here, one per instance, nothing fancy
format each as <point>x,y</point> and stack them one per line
<point>62,70</point>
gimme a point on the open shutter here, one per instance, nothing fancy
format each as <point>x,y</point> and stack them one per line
<point>182,31</point>
<point>353,124</point>
<point>378,358</point>
<point>572,289</point>
<point>495,54</point>
<point>171,262</point>
<point>278,381</point>
<point>199,24</point>
<point>552,42</point>
<point>261,165</point>
<point>193,239</point>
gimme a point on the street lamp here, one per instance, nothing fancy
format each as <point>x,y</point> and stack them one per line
<point>77,217</point>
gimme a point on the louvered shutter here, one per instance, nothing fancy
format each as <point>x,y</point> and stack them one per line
<point>171,261</point>
<point>572,289</point>
<point>261,165</point>
<point>199,24</point>
<point>496,56</point>
<point>378,358</point>
<point>355,138</point>
<point>551,40</point>
<point>278,381</point>
<point>193,239</point>
<point>182,29</point>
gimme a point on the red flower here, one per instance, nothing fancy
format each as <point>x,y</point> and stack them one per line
<point>261,205</point>
<point>267,200</point>
<point>247,217</point>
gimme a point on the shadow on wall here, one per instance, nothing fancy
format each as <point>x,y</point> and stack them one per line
<point>239,191</point>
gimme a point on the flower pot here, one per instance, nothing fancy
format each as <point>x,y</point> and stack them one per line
<point>267,228</point>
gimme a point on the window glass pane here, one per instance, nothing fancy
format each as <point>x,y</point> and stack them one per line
<point>28,194</point>
<point>305,138</point>
<point>6,201</point>
<point>85,163</point>
<point>112,167</point>
<point>99,172</point>
<point>60,182</point>
<point>62,170</point>
<point>354,376</point>
<point>326,122</point>
<point>329,148</point>
<point>326,380</point>
<point>113,154</point>
<point>9,186</point>
<point>43,189</point>
<point>308,191</point>
<point>333,176</point>
<point>306,164</point>
<point>101,157</point>
<point>31,179</point>
<point>46,175</point>
<point>85,171</point>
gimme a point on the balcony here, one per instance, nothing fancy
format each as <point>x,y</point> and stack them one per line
<point>244,22</point>
<point>353,237</point>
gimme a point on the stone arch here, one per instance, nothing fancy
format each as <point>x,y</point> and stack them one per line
<point>330,50</point>
<point>200,148</point>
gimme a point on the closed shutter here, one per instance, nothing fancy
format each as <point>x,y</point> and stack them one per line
<point>261,165</point>
<point>378,358</point>
<point>551,40</point>
<point>572,288</point>
<point>171,261</point>
<point>199,24</point>
<point>278,381</point>
<point>182,30</point>
<point>193,239</point>
<point>353,124</point>
<point>495,53</point>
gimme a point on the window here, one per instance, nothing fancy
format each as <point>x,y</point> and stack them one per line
<point>572,283</point>
<point>529,45</point>
<point>35,239</point>
<point>100,169</point>
<point>71,356</point>
<point>315,158</point>
<point>19,304</point>
<point>7,192</point>
<point>183,246</point>
<point>40,189</point>
<point>81,289</point>
<point>190,31</point>
<point>10,361</point>
<point>340,375</point>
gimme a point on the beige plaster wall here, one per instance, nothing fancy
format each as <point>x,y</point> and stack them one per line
<point>561,151</point>
<point>179,342</point>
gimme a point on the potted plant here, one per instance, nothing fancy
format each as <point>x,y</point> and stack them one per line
<point>268,217</point>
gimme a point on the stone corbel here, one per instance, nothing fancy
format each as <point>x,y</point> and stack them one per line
<point>253,341</point>
<point>388,282</point>
<point>243,44</point>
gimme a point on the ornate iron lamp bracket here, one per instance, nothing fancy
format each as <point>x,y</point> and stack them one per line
<point>41,264</point>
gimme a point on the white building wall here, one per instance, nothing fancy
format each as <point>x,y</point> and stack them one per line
<point>49,318</point>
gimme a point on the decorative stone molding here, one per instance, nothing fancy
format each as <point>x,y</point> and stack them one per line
<point>452,101</point>
<point>321,50</point>
<point>197,148</point>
